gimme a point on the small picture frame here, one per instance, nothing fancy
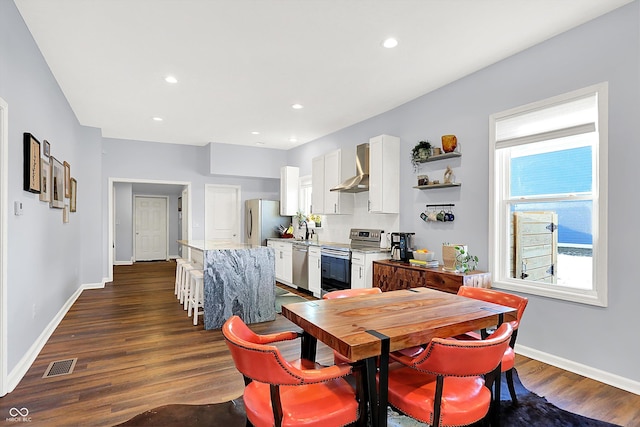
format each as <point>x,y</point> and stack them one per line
<point>46,149</point>
<point>74,192</point>
<point>67,180</point>
<point>57,183</point>
<point>31,163</point>
<point>179,204</point>
<point>45,179</point>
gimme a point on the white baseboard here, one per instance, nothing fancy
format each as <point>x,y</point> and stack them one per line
<point>580,369</point>
<point>15,376</point>
<point>122,262</point>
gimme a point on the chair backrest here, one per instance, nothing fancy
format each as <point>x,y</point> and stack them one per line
<point>257,361</point>
<point>497,297</point>
<point>451,357</point>
<point>351,293</point>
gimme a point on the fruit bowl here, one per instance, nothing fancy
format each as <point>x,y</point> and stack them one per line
<point>423,256</point>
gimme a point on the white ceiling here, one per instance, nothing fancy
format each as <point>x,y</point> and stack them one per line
<point>241,64</point>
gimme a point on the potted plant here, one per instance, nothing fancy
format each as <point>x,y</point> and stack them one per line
<point>464,260</point>
<point>420,153</point>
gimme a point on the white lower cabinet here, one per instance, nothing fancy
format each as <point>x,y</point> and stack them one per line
<point>362,268</point>
<point>315,271</point>
<point>284,261</point>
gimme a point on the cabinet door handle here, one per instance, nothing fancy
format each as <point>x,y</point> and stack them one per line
<point>360,272</point>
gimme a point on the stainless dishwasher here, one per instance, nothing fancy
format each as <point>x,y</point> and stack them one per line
<point>301,265</point>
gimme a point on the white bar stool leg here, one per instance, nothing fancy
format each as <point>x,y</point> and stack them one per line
<point>184,284</point>
<point>196,295</point>
<point>179,263</point>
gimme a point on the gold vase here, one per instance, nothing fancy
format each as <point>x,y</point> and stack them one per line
<point>449,143</point>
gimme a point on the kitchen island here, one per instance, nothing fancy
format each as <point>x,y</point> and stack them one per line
<point>239,279</point>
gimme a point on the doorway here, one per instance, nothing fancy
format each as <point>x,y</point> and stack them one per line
<point>222,212</point>
<point>111,220</point>
<point>151,231</point>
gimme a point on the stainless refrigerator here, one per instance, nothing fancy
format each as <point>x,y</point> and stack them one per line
<point>261,221</point>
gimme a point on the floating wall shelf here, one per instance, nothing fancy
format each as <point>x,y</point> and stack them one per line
<point>432,186</point>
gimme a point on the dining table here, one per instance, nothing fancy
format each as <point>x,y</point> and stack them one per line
<point>367,328</point>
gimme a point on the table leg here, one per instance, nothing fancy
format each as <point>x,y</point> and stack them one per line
<point>379,411</point>
<point>308,347</point>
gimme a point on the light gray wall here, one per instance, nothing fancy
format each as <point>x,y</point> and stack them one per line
<point>606,49</point>
<point>123,228</point>
<point>177,163</point>
<point>47,260</point>
<point>257,162</point>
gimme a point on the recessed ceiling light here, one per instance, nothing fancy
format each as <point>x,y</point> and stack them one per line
<point>255,132</point>
<point>158,119</point>
<point>297,106</point>
<point>390,43</point>
<point>170,79</point>
<point>293,139</point>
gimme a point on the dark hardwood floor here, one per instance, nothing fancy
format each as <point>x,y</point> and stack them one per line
<point>137,349</point>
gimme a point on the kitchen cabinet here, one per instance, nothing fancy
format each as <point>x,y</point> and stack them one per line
<point>327,172</point>
<point>384,174</point>
<point>315,271</point>
<point>393,275</point>
<point>289,176</point>
<point>362,268</point>
<point>284,261</point>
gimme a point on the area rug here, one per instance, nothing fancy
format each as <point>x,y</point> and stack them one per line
<point>531,410</point>
<point>285,297</point>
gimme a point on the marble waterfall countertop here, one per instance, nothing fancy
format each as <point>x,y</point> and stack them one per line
<point>239,279</point>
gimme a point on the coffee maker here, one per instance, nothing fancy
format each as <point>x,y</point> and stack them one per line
<point>402,246</point>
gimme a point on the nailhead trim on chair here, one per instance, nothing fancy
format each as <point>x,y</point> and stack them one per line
<point>284,367</point>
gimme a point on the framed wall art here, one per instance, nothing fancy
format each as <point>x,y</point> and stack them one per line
<point>74,195</point>
<point>67,180</point>
<point>57,183</point>
<point>31,163</point>
<point>46,149</point>
<point>45,181</point>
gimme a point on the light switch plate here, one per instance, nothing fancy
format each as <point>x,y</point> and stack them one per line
<point>17,207</point>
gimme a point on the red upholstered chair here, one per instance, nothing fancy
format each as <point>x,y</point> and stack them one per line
<point>508,300</point>
<point>283,393</point>
<point>445,384</point>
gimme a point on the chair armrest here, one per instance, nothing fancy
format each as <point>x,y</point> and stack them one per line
<point>325,374</point>
<point>280,336</point>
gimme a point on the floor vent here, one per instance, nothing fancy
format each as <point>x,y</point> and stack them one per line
<point>61,367</point>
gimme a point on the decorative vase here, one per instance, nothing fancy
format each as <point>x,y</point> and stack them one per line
<point>449,143</point>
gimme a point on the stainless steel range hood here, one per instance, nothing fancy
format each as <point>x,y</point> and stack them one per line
<point>360,182</point>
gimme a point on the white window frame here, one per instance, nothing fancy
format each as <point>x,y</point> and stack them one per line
<point>500,218</point>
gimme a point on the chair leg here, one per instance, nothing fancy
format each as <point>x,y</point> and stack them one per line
<point>512,388</point>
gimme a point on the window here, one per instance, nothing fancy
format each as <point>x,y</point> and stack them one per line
<point>304,195</point>
<point>548,202</point>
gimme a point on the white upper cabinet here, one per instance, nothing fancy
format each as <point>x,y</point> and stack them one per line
<point>327,172</point>
<point>289,176</point>
<point>384,174</point>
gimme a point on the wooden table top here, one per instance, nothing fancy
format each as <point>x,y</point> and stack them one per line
<point>408,317</point>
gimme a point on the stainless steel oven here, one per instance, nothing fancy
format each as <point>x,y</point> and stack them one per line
<point>336,268</point>
<point>336,258</point>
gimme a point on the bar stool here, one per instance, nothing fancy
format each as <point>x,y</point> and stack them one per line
<point>179,263</point>
<point>196,294</point>
<point>183,291</point>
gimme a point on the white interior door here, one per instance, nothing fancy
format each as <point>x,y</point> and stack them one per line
<point>222,213</point>
<point>150,228</point>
